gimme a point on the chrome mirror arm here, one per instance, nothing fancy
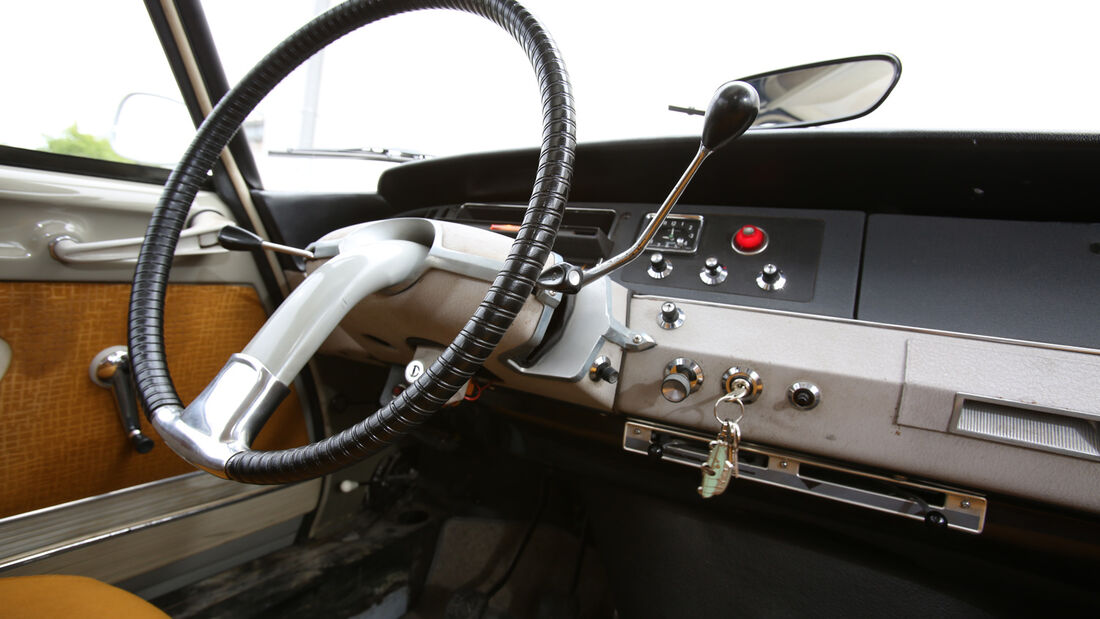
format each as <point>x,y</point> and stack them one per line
<point>731,112</point>
<point>564,277</point>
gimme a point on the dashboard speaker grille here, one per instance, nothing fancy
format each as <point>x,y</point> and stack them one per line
<point>1059,432</point>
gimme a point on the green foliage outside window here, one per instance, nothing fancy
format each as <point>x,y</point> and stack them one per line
<point>73,142</point>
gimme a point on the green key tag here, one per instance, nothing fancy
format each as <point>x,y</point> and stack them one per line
<point>721,462</point>
<point>717,470</point>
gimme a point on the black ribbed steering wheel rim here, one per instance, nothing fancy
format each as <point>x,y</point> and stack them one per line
<point>477,339</point>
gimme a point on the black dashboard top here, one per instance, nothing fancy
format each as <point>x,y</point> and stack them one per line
<point>1031,177</point>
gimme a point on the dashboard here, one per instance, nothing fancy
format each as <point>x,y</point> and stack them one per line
<point>874,345</point>
<point>917,330</point>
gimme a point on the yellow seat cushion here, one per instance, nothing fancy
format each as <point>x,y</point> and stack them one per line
<point>69,596</point>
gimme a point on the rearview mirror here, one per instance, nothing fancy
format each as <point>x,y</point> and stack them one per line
<point>824,92</point>
<point>151,129</point>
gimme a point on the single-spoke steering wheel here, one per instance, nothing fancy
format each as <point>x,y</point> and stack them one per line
<point>215,432</point>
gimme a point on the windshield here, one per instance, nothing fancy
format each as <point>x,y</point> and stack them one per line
<point>444,83</point>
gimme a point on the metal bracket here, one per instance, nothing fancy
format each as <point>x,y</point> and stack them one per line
<point>622,336</point>
<point>591,324</point>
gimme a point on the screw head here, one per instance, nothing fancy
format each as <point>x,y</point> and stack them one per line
<point>935,519</point>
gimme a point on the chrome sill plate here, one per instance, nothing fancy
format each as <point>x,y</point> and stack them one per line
<point>35,535</point>
<point>963,511</point>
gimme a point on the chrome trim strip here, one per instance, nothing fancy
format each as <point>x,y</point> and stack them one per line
<point>31,536</point>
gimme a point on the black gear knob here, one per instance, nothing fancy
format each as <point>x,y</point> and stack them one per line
<point>731,112</point>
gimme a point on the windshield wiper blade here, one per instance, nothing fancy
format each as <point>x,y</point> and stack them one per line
<point>397,155</point>
<point>690,111</point>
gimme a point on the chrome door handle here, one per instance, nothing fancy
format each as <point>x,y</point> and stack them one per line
<point>200,238</point>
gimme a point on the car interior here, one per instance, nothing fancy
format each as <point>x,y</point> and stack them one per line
<point>764,370</point>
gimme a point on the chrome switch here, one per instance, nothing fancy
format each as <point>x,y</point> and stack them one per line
<point>659,266</point>
<point>803,395</point>
<point>683,377</point>
<point>770,278</point>
<point>713,273</point>
<point>670,316</point>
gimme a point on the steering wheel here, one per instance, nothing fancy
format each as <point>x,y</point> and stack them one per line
<point>215,432</point>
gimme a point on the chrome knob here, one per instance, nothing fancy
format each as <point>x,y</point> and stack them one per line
<point>676,387</point>
<point>683,377</point>
<point>713,272</point>
<point>771,278</point>
<point>670,316</point>
<point>659,266</point>
<point>603,370</point>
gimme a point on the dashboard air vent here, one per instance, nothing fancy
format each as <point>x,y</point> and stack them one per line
<point>1049,430</point>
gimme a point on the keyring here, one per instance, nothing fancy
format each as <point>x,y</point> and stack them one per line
<point>729,397</point>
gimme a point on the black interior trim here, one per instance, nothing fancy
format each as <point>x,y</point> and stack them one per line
<point>298,219</point>
<point>217,84</point>
<point>71,164</point>
<point>957,174</point>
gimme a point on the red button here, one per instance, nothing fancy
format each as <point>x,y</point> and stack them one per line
<point>749,239</point>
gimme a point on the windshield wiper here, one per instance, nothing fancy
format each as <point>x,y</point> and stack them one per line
<point>370,154</point>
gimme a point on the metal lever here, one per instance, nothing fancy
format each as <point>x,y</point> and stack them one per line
<point>236,238</point>
<point>731,112</point>
<point>110,369</point>
<point>195,240</point>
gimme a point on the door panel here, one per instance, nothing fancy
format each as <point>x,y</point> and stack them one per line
<point>37,207</point>
<point>62,437</point>
<point>76,497</point>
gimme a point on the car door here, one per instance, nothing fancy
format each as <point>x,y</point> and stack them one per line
<point>77,496</point>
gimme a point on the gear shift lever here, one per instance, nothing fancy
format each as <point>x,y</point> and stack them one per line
<point>731,112</point>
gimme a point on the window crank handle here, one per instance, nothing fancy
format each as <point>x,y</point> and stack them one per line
<point>110,369</point>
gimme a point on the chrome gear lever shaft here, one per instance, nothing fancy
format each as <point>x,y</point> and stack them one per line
<point>731,112</point>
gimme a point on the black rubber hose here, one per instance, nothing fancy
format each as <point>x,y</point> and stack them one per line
<point>481,334</point>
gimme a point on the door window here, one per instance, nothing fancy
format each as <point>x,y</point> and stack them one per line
<point>89,79</point>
